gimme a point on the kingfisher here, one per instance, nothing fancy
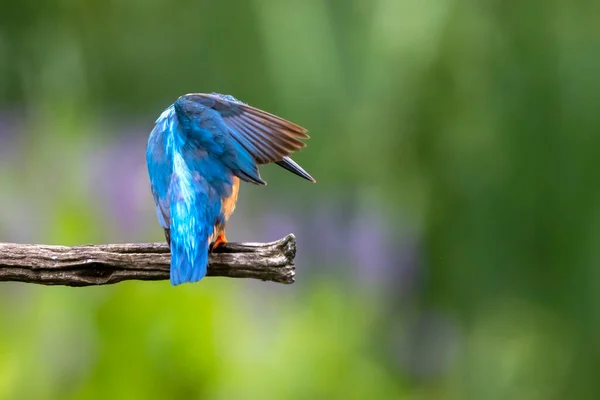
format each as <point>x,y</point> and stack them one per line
<point>200,149</point>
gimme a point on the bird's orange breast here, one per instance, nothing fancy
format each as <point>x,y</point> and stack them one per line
<point>227,207</point>
<point>228,203</point>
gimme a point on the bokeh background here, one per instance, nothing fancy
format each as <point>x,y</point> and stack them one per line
<point>450,249</point>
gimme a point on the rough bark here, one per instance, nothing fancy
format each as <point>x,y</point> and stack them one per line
<point>111,263</point>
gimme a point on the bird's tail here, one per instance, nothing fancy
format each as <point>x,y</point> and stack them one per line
<point>190,229</point>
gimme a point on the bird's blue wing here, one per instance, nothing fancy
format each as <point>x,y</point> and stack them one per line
<point>205,129</point>
<point>160,165</point>
<point>265,137</point>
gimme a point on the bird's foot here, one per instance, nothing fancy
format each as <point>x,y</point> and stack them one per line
<point>219,241</point>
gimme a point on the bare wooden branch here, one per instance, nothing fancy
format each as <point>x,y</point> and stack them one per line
<point>111,263</point>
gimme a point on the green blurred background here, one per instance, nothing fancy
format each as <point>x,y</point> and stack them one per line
<point>450,249</point>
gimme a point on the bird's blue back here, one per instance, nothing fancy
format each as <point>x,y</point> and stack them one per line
<point>192,159</point>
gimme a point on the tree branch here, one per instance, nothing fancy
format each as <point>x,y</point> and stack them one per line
<point>111,263</point>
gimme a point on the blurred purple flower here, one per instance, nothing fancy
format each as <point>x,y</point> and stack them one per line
<point>338,239</point>
<point>117,170</point>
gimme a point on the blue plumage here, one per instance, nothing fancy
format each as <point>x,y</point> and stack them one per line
<point>199,148</point>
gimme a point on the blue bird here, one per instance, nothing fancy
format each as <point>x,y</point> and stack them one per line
<point>199,150</point>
